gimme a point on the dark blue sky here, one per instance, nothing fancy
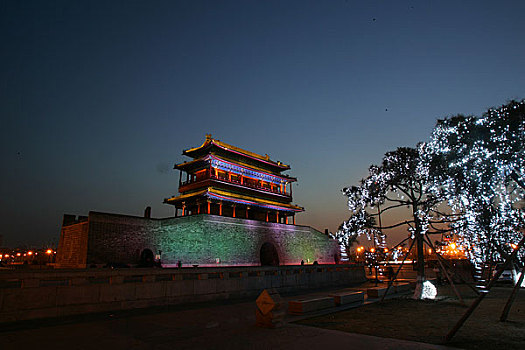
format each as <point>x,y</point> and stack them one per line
<point>99,98</point>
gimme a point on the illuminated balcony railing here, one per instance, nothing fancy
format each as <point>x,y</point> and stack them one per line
<point>236,181</point>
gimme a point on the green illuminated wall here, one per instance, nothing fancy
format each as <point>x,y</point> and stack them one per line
<point>201,239</point>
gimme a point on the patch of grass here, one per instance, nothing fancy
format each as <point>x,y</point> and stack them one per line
<point>430,320</point>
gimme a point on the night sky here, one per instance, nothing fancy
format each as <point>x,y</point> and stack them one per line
<point>98,99</point>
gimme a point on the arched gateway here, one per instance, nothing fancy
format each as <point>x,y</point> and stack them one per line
<point>146,258</point>
<point>269,255</point>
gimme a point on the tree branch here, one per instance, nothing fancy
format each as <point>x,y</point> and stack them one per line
<point>443,214</point>
<point>407,222</point>
<point>514,176</point>
<point>397,200</point>
<point>390,207</point>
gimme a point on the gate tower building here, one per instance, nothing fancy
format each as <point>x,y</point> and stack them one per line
<point>234,208</point>
<point>229,181</point>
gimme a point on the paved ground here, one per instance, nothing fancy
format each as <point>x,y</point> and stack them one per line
<point>205,326</point>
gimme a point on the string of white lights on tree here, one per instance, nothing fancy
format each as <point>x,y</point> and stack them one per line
<point>400,181</point>
<point>473,166</point>
<point>478,164</point>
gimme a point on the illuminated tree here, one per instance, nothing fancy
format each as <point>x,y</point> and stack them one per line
<point>351,229</point>
<point>400,181</point>
<point>478,163</point>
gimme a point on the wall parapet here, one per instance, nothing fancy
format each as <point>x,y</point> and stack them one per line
<point>44,294</point>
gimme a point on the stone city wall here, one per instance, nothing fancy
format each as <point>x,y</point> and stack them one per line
<point>204,240</point>
<point>26,295</point>
<point>73,245</point>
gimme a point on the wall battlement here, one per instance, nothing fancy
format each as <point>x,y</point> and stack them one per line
<point>204,240</point>
<point>73,219</point>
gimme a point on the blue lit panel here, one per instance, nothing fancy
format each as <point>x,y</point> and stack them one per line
<point>244,171</point>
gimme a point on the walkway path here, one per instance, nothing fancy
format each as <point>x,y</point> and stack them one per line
<point>216,325</point>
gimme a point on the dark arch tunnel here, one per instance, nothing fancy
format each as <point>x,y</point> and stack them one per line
<point>269,255</point>
<point>147,258</point>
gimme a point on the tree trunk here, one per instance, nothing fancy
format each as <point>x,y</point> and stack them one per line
<point>420,263</point>
<point>443,268</point>
<point>420,266</point>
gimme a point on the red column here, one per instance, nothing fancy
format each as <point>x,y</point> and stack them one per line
<point>209,207</point>
<point>220,208</point>
<point>233,206</point>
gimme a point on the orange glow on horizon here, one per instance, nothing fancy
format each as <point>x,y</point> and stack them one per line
<point>454,250</point>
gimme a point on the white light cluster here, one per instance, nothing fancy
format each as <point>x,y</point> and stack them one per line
<point>400,181</point>
<point>429,291</point>
<point>478,163</point>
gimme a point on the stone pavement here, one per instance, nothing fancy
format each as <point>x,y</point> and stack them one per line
<point>218,325</point>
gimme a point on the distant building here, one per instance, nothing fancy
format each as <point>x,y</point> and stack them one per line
<point>234,208</point>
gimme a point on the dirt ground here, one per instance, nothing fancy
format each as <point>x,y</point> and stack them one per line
<point>430,320</point>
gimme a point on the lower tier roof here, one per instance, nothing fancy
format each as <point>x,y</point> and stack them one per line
<point>219,194</point>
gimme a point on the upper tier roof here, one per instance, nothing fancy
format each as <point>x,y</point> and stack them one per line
<point>198,163</point>
<point>210,143</point>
